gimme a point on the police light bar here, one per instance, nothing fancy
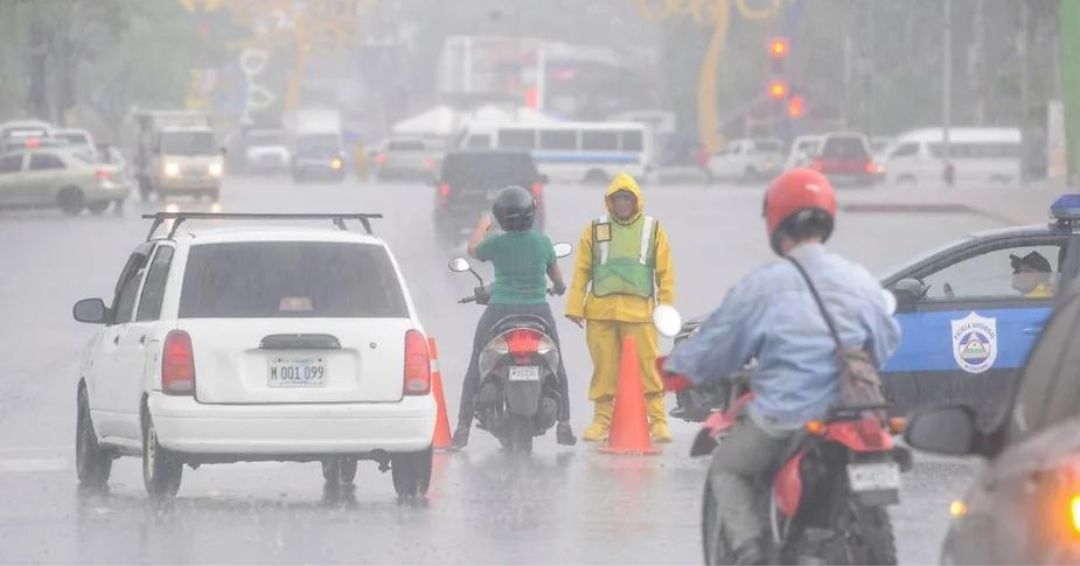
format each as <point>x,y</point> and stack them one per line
<point>1066,208</point>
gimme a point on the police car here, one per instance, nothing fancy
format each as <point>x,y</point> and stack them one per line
<point>971,311</point>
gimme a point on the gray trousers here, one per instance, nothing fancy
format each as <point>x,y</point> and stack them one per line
<point>736,476</point>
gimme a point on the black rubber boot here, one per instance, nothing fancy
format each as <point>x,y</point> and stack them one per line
<point>565,435</point>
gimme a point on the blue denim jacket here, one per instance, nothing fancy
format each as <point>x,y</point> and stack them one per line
<point>771,315</point>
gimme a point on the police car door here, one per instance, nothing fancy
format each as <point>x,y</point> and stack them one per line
<point>969,334</point>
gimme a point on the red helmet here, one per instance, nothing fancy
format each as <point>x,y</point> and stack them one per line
<point>795,191</point>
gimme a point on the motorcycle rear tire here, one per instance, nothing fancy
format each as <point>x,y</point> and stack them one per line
<point>869,536</point>
<point>521,434</point>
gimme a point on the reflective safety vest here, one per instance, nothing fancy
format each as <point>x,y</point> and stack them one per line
<point>624,257</point>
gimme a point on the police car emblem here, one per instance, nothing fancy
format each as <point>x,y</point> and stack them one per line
<point>974,341</point>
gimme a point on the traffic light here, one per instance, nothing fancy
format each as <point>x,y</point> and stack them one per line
<point>796,106</point>
<point>779,47</point>
<point>778,89</point>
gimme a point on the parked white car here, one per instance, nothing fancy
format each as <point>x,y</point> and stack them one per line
<point>251,344</point>
<point>803,151</point>
<point>748,160</point>
<point>69,179</point>
<point>980,157</point>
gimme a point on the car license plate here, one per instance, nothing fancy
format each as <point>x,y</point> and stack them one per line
<point>297,372</point>
<point>524,373</point>
<point>877,476</point>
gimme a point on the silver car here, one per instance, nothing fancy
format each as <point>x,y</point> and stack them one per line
<point>68,179</point>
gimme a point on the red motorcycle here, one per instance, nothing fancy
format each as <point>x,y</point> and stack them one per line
<point>829,496</point>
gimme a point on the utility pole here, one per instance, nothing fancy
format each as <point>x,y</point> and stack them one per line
<point>1025,128</point>
<point>946,110</point>
<point>1069,12</point>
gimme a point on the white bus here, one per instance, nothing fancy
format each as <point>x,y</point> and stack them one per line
<point>571,151</point>
<point>980,156</point>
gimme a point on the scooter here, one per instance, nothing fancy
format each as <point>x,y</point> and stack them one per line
<point>829,496</point>
<point>518,396</point>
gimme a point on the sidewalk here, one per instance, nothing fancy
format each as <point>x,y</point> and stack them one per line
<point>1006,205</point>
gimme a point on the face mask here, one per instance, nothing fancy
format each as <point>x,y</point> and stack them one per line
<point>1025,282</point>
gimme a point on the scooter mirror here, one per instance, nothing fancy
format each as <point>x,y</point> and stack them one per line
<point>459,265</point>
<point>890,301</point>
<point>667,320</point>
<point>562,249</point>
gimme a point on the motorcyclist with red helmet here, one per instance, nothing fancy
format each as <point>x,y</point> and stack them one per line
<point>771,315</point>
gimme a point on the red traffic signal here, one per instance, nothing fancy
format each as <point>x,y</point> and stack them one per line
<point>778,89</point>
<point>796,107</point>
<point>779,47</point>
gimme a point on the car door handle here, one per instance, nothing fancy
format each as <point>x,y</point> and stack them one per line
<point>116,340</point>
<point>1033,330</point>
<point>142,340</point>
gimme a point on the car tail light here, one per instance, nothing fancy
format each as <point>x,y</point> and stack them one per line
<point>537,189</point>
<point>380,158</point>
<point>417,364</point>
<point>871,167</point>
<point>178,364</point>
<point>444,189</point>
<point>103,174</point>
<point>429,164</point>
<point>817,165</point>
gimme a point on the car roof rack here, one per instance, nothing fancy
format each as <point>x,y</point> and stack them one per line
<point>179,217</point>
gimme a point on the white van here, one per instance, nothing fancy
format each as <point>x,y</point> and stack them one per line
<point>571,151</point>
<point>979,156</point>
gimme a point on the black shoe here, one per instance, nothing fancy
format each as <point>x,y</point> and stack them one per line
<point>565,435</point>
<point>461,437</point>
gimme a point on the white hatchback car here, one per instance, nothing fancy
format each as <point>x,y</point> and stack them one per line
<point>251,344</point>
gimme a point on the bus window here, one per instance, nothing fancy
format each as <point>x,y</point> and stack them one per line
<point>517,139</point>
<point>631,140</point>
<point>558,139</point>
<point>599,140</point>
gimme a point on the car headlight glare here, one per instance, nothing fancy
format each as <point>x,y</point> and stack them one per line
<point>216,169</point>
<point>172,169</point>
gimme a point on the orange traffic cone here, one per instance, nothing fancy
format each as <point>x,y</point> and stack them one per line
<point>629,426</point>
<point>441,439</point>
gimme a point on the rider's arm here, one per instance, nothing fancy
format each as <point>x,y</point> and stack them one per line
<point>723,343</point>
<point>555,273</point>
<point>881,327</point>
<point>665,273</point>
<point>575,301</point>
<point>478,235</point>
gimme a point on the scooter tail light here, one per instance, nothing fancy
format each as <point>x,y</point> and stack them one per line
<point>444,189</point>
<point>417,364</point>
<point>523,343</point>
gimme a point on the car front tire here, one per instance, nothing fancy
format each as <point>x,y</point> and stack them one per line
<point>70,200</point>
<point>92,463</point>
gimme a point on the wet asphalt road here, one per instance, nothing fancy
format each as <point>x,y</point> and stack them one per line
<point>560,505</point>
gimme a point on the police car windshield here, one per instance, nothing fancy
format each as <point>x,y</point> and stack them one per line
<point>889,275</point>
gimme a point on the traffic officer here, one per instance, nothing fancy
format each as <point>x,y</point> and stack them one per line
<point>623,271</point>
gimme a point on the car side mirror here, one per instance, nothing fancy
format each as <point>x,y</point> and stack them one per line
<point>909,292</point>
<point>562,249</point>
<point>91,311</point>
<point>943,430</point>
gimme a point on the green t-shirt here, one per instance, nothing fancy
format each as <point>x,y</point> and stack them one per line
<point>521,261</point>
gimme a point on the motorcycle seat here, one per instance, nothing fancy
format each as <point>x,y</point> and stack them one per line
<point>513,321</point>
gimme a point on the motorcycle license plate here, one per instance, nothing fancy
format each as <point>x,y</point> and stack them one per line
<point>876,476</point>
<point>297,372</point>
<point>524,373</point>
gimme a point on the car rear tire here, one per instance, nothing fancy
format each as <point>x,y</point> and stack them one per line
<point>98,208</point>
<point>162,470</point>
<point>339,471</point>
<point>92,463</point>
<point>70,200</point>
<point>411,472</point>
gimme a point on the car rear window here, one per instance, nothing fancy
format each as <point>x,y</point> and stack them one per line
<point>844,147</point>
<point>766,145</point>
<point>290,280</point>
<point>483,171</point>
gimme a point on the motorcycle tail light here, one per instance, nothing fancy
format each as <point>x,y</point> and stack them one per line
<point>815,428</point>
<point>897,425</point>
<point>523,343</point>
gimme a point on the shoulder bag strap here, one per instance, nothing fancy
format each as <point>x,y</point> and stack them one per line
<point>817,299</point>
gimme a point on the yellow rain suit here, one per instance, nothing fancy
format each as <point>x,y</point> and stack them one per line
<point>622,312</point>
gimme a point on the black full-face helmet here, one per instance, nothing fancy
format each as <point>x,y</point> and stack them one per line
<point>514,208</point>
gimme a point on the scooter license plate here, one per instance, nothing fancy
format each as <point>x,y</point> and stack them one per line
<point>876,476</point>
<point>524,373</point>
